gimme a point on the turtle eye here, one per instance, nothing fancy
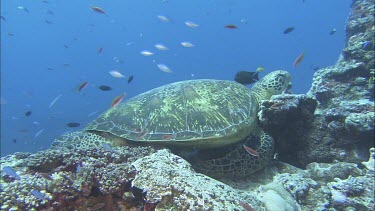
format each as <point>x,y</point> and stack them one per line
<point>281,75</point>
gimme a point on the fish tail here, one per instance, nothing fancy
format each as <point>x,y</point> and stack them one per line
<point>256,76</point>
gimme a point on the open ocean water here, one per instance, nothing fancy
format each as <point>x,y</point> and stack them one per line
<point>50,48</point>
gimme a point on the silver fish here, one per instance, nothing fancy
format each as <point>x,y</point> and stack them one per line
<point>54,101</point>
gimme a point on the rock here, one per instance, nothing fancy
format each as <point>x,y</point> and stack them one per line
<point>370,164</point>
<point>342,125</point>
<point>327,172</point>
<point>275,198</point>
<point>281,109</point>
<point>171,182</point>
<point>345,193</point>
<point>322,186</point>
<point>360,122</point>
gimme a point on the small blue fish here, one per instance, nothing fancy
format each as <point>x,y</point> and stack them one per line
<point>107,146</point>
<point>23,8</point>
<point>37,194</point>
<point>366,45</point>
<point>9,171</point>
<point>38,133</point>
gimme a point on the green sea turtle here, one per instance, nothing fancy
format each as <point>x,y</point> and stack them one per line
<point>218,118</point>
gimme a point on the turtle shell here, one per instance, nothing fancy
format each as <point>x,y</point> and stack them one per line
<point>201,113</point>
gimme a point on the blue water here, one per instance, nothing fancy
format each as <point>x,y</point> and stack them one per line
<point>132,26</point>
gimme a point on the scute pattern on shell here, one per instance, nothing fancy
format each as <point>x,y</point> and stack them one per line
<point>183,111</point>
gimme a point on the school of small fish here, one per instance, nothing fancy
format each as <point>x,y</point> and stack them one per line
<point>84,85</point>
<point>53,102</point>
<point>191,24</point>
<point>147,53</point>
<point>164,68</point>
<point>116,74</point>
<point>163,18</point>
<point>98,10</point>
<point>161,47</point>
<point>298,60</point>
<point>187,44</point>
<point>117,100</point>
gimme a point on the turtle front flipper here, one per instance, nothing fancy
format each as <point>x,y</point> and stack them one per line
<point>84,140</point>
<point>238,162</point>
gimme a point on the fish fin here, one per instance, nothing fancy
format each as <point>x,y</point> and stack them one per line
<point>256,76</point>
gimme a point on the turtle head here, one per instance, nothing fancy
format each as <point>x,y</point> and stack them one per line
<point>272,84</point>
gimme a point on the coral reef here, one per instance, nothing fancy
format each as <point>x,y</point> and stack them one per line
<point>345,93</point>
<point>142,178</point>
<point>323,186</point>
<point>97,178</point>
<point>339,125</point>
<point>171,182</point>
<point>66,180</point>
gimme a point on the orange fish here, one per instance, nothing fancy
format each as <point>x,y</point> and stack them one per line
<point>141,135</point>
<point>100,50</point>
<point>298,60</point>
<point>167,137</point>
<point>98,10</point>
<point>251,151</point>
<point>117,100</point>
<point>246,206</point>
<point>82,86</point>
<point>231,26</point>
